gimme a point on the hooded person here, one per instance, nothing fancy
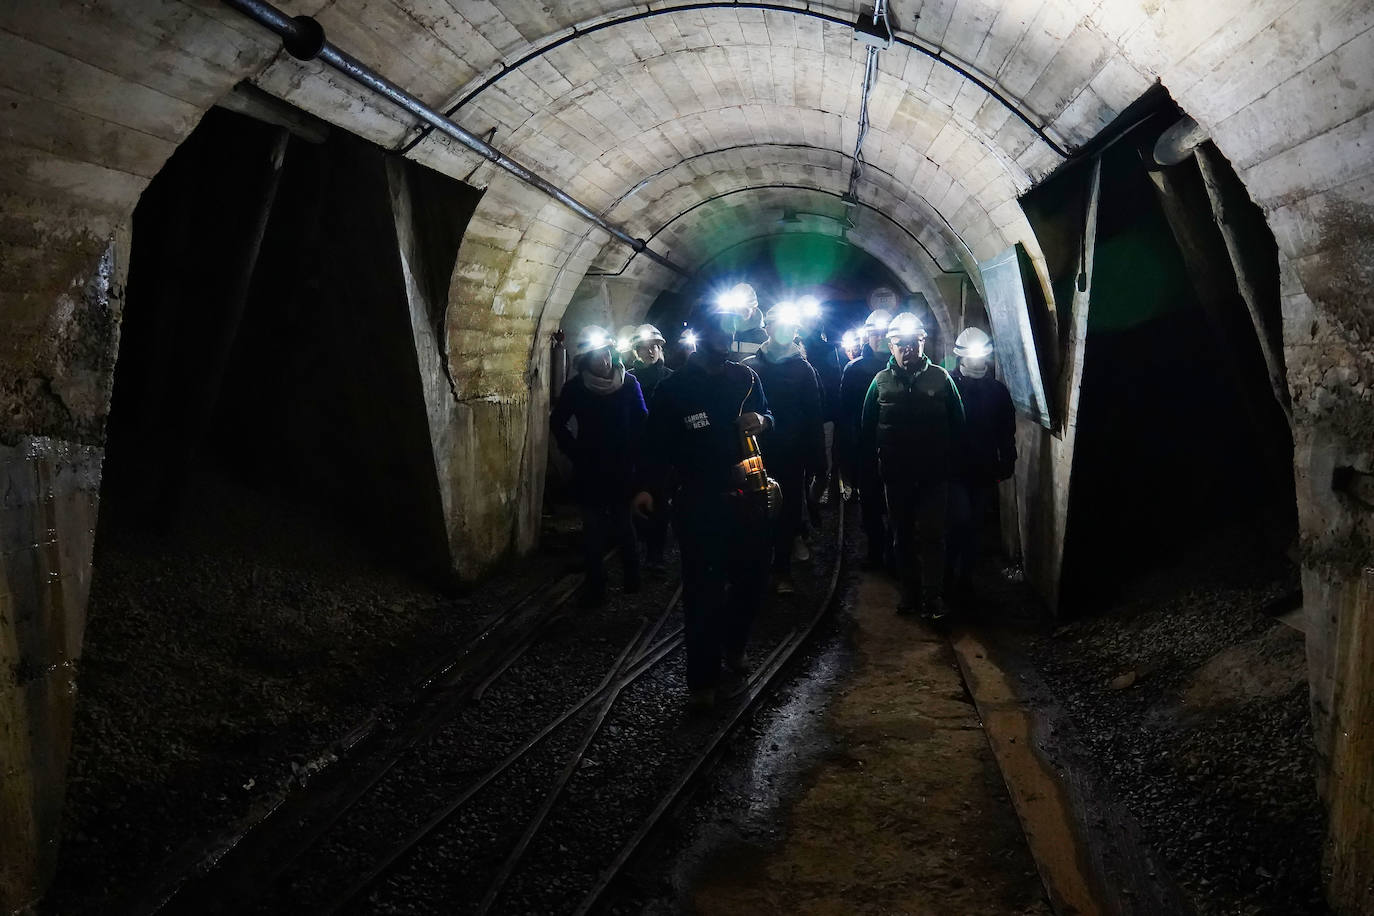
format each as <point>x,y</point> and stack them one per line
<point>693,451</point>
<point>650,371</point>
<point>913,421</point>
<point>795,447</point>
<point>859,468</point>
<point>988,454</point>
<point>608,407</point>
<point>742,302</point>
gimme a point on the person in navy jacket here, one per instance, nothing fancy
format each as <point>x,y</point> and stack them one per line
<point>607,405</point>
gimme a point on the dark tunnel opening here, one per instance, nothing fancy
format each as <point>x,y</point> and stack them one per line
<point>267,340</point>
<point>1180,436</point>
<point>271,552</point>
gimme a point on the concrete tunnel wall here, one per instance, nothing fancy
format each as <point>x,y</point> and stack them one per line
<point>95,98</point>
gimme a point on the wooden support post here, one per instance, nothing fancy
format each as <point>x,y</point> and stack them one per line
<point>1269,332</point>
<point>1216,289</point>
<point>1350,790</point>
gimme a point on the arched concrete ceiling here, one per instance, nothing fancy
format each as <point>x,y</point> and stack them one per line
<point>977,99</point>
<point>647,114</point>
<point>754,212</point>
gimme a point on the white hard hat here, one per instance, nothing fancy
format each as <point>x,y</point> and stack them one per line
<point>973,343</point>
<point>644,334</point>
<point>591,339</point>
<point>907,324</point>
<point>787,312</point>
<point>877,322</point>
<point>738,298</point>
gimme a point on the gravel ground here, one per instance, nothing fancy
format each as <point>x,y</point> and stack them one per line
<point>223,662</point>
<point>226,662</point>
<point>644,745</point>
<point>1190,703</point>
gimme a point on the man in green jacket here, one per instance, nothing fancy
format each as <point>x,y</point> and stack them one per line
<point>913,420</point>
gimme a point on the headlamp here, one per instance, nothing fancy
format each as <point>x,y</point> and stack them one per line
<point>732,301</point>
<point>690,338</point>
<point>810,306</point>
<point>850,340</point>
<point>907,328</point>
<point>622,344</point>
<point>982,351</point>
<point>597,341</point>
<point>786,313</point>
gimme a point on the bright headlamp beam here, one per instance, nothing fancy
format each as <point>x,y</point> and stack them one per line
<point>908,329</point>
<point>810,306</point>
<point>731,301</point>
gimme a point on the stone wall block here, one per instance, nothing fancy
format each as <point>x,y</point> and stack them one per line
<point>47,523</point>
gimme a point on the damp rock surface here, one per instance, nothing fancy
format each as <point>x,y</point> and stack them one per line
<point>1189,701</point>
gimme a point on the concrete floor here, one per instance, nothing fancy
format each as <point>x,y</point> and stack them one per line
<point>907,812</point>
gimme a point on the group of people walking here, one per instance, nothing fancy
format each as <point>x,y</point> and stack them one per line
<point>921,448</point>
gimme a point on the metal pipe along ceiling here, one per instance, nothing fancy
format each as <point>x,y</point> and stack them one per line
<point>304,38</point>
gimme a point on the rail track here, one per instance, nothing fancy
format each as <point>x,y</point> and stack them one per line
<point>540,762</point>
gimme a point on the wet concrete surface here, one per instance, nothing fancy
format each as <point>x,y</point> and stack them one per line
<point>866,787</point>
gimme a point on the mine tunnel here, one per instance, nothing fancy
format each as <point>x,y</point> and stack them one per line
<point>329,582</point>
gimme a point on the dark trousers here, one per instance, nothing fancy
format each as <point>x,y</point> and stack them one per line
<point>724,547</point>
<point>968,510</point>
<point>873,509</point>
<point>607,520</point>
<point>916,509</point>
<point>791,476</point>
<point>653,531</point>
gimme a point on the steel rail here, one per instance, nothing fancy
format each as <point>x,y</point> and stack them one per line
<point>639,664</point>
<point>556,592</point>
<point>574,761</point>
<point>763,678</point>
<point>304,38</point>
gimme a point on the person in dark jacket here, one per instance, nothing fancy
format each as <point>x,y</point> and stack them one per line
<point>914,421</point>
<point>988,455</point>
<point>693,441</point>
<point>795,448</point>
<point>741,303</point>
<point>650,371</point>
<point>859,468</point>
<point>824,357</point>
<point>608,407</point>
